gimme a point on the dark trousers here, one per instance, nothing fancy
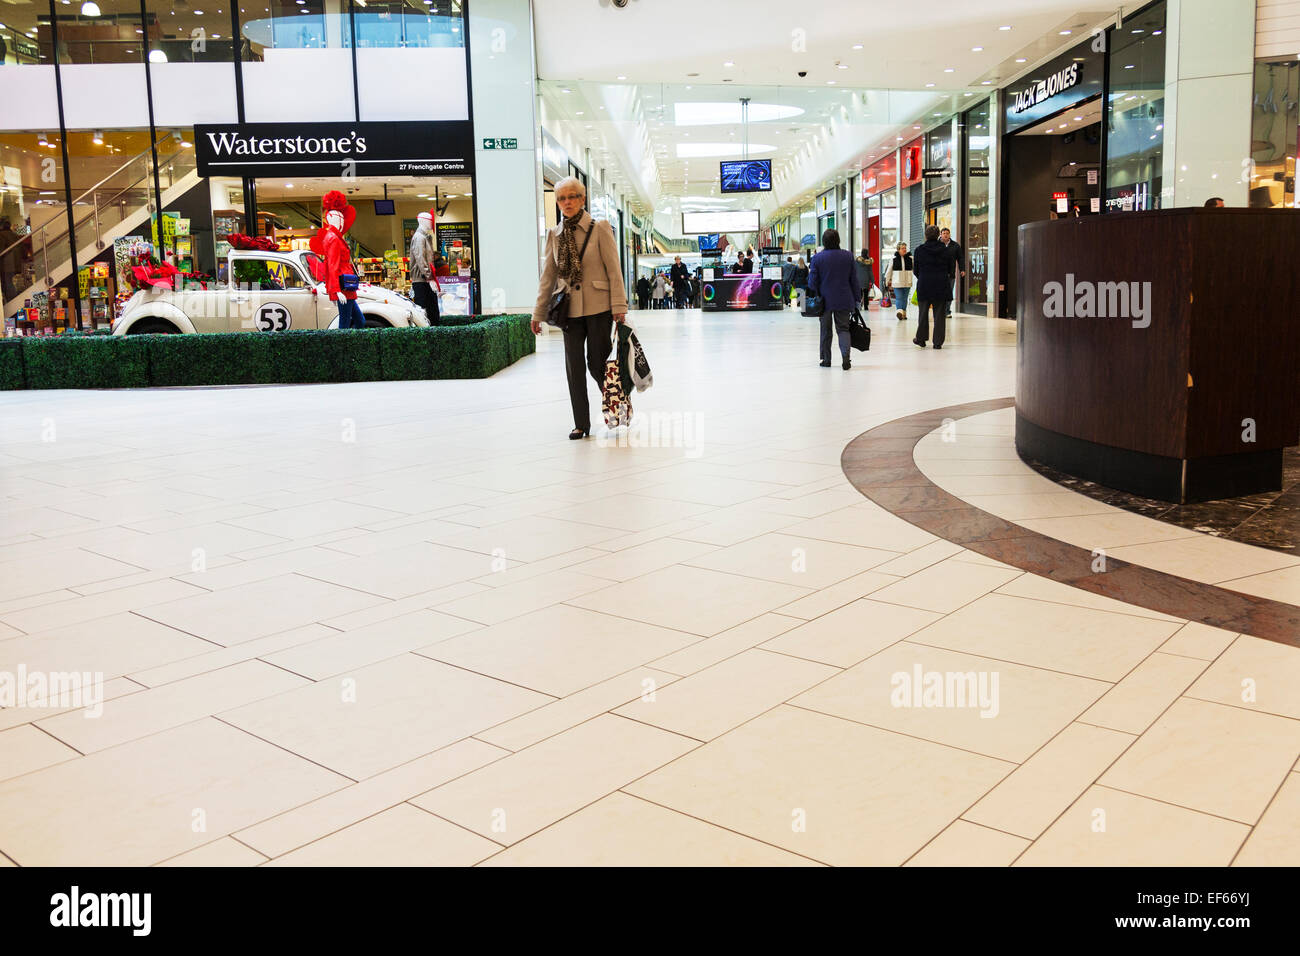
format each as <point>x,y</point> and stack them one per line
<point>940,314</point>
<point>840,318</point>
<point>594,331</point>
<point>643,302</point>
<point>426,297</point>
<point>350,316</point>
<point>866,297</point>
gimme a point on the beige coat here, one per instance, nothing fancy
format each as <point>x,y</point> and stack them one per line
<point>602,276</point>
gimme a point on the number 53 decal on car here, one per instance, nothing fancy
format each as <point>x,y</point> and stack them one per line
<point>272,317</point>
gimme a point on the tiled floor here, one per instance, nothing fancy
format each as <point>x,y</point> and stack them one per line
<point>410,623</point>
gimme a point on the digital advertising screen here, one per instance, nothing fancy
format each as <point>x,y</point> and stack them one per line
<point>708,242</point>
<point>746,176</point>
<point>708,223</point>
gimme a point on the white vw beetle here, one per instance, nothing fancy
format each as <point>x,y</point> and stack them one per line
<point>264,292</point>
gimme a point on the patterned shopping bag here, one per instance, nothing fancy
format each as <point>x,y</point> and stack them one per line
<point>614,402</point>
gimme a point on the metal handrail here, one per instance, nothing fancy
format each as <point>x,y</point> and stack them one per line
<point>95,210</point>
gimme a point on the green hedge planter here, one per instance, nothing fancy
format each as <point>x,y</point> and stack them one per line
<point>472,347</point>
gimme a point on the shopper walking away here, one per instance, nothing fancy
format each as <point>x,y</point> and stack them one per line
<point>900,280</point>
<point>643,293</point>
<point>678,275</point>
<point>800,283</point>
<point>833,275</point>
<point>933,287</point>
<point>424,280</point>
<point>660,289</point>
<point>866,269</point>
<point>582,259</point>
<point>956,266</point>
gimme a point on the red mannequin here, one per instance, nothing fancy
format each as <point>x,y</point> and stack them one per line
<point>329,244</point>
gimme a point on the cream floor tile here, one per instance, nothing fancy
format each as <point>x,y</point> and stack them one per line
<point>728,526</point>
<point>920,558</point>
<point>866,525</point>
<point>45,707</point>
<point>339,653</point>
<point>1255,674</point>
<point>974,557</point>
<point>1044,589</point>
<point>515,797</point>
<point>711,490</point>
<point>511,481</point>
<point>628,512</point>
<point>139,577</point>
<point>1280,585</point>
<point>1194,639</point>
<point>27,748</point>
<point>635,539</point>
<point>825,788</point>
<point>1110,530</point>
<point>1208,559</point>
<point>1275,841</point>
<point>966,844</point>
<point>643,558</point>
<point>553,718</point>
<point>838,595</point>
<point>179,551</point>
<point>969,485</point>
<point>1025,706</point>
<point>943,587</point>
<point>225,657</point>
<point>59,569</point>
<point>43,521</point>
<point>938,468</point>
<point>191,519</point>
<point>404,571</point>
<point>77,609</point>
<point>1137,832</point>
<point>383,715</point>
<point>802,562</point>
<point>1137,700</point>
<point>853,633</point>
<point>514,600</point>
<point>1212,758</point>
<point>249,611</point>
<point>1058,504</point>
<point>407,531</point>
<point>135,805</point>
<point>147,502</point>
<point>111,646</point>
<point>304,521</point>
<point>526,539</point>
<point>810,506</point>
<point>622,830</point>
<point>1075,640</point>
<point>691,599</point>
<point>1037,792</point>
<point>223,852</point>
<point>558,650</point>
<point>402,836</point>
<point>342,808</point>
<point>259,569</point>
<point>151,711</point>
<point>712,701</point>
<point>512,572</point>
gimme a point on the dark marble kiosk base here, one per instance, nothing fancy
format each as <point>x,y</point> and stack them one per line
<point>1152,476</point>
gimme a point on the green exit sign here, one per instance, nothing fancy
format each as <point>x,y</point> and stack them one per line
<point>500,143</point>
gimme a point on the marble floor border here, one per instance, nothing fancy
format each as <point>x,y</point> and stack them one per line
<point>879,463</point>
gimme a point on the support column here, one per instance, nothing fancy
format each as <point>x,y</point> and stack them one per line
<point>508,190</point>
<point>1209,75</point>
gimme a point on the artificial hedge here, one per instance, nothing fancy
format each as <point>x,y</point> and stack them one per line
<point>472,347</point>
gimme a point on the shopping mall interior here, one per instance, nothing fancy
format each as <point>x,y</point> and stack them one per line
<point>778,599</point>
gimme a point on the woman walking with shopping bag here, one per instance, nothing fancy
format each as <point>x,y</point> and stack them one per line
<point>581,292</point>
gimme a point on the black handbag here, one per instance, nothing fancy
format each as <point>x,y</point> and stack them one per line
<point>557,313</point>
<point>859,332</point>
<point>813,305</point>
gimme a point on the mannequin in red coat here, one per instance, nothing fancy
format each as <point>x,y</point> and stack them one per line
<point>330,245</point>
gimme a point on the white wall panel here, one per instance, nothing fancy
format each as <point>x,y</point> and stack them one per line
<point>1277,28</point>
<point>30,99</point>
<point>299,86</point>
<point>189,93</point>
<point>415,83</point>
<point>104,96</point>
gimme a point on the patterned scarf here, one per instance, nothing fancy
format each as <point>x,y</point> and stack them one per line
<point>567,253</point>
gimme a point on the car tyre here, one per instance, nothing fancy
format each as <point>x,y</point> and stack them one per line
<point>153,327</point>
<point>375,322</point>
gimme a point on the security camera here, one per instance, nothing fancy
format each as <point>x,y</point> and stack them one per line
<point>803,73</point>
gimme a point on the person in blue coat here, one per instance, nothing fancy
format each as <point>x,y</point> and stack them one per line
<point>933,287</point>
<point>833,275</point>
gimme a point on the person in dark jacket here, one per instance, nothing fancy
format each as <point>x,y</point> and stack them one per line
<point>833,275</point>
<point>787,277</point>
<point>643,293</point>
<point>800,283</point>
<point>678,275</point>
<point>956,266</point>
<point>866,267</point>
<point>933,287</point>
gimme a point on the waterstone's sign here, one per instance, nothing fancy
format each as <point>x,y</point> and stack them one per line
<point>1044,89</point>
<point>335,149</point>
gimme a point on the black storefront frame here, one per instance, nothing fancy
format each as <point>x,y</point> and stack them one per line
<point>250,190</point>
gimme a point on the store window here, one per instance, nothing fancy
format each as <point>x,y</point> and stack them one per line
<point>1135,112</point>
<point>25,35</point>
<point>976,133</point>
<point>938,174</point>
<point>394,24</point>
<point>113,34</point>
<point>193,32</point>
<point>1273,126</point>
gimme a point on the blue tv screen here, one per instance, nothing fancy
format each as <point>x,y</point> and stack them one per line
<point>708,242</point>
<point>385,207</point>
<point>747,176</point>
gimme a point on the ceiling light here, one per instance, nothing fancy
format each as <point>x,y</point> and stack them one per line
<point>624,78</point>
<point>157,56</point>
<point>1064,33</point>
<point>857,46</point>
<point>98,137</point>
<point>949,70</point>
<point>565,90</point>
<point>1021,59</point>
<point>1004,28</point>
<point>90,9</point>
<point>1128,66</point>
<point>977,49</point>
<point>987,83</point>
<point>198,13</point>
<point>728,63</point>
<point>830,82</point>
<point>288,185</point>
<point>41,140</point>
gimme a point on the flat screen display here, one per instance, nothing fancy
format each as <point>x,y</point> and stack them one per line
<point>385,207</point>
<point>707,223</point>
<point>708,242</point>
<point>747,176</point>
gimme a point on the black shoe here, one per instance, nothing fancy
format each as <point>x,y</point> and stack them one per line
<point>824,364</point>
<point>579,433</point>
<point>919,345</point>
<point>847,364</point>
<point>938,346</point>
